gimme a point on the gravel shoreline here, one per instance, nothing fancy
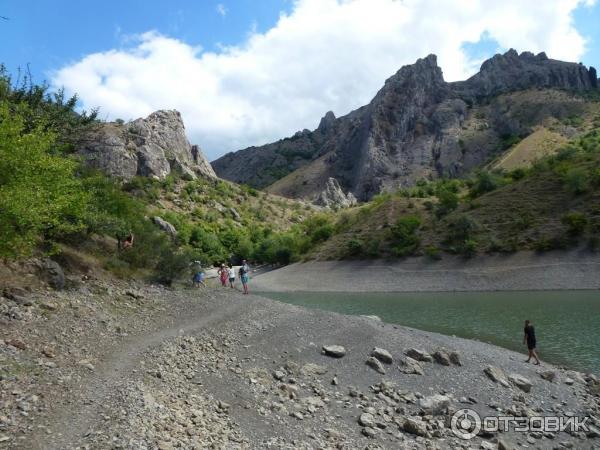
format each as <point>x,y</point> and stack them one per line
<point>519,271</point>
<point>149,368</point>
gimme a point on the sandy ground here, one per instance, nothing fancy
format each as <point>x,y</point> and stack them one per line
<point>519,271</point>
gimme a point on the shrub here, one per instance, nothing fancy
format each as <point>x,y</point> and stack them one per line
<point>576,180</point>
<point>576,222</point>
<point>432,252</point>
<point>355,247</point>
<point>447,202</point>
<point>174,264</point>
<point>404,235</point>
<point>484,182</point>
<point>460,235</point>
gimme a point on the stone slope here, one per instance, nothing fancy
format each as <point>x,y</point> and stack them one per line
<point>411,129</point>
<point>152,147</point>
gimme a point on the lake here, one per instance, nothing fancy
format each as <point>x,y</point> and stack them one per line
<point>567,323</point>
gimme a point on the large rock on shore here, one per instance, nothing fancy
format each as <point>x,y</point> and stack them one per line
<point>152,147</point>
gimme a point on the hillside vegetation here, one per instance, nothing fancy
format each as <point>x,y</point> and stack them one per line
<point>552,203</point>
<point>51,204</point>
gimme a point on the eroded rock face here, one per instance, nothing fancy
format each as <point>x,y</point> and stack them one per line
<point>150,147</point>
<point>333,196</point>
<point>412,129</point>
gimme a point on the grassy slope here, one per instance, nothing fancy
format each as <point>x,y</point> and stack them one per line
<point>540,211</point>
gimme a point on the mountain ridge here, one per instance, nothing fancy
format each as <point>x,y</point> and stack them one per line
<point>411,129</point>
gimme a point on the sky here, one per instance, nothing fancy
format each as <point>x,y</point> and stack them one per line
<point>248,72</point>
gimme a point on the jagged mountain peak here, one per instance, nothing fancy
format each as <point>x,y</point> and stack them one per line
<point>416,126</point>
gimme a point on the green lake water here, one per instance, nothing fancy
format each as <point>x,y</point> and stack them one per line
<point>567,323</point>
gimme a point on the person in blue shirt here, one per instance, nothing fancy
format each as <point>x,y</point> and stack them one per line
<point>244,275</point>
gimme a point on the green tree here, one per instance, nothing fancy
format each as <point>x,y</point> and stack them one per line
<point>39,193</point>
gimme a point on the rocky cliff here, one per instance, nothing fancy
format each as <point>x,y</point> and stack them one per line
<point>416,126</point>
<point>152,147</point>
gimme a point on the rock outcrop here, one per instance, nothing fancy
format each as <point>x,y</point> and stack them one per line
<point>417,126</point>
<point>151,147</point>
<point>333,196</point>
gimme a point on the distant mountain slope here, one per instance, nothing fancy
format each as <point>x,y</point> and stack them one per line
<point>418,126</point>
<point>553,204</point>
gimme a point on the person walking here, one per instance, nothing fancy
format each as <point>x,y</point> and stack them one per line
<point>245,275</point>
<point>529,338</point>
<point>231,273</point>
<point>198,279</point>
<point>223,273</point>
<point>197,274</point>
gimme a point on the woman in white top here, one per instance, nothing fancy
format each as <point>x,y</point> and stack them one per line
<point>231,276</point>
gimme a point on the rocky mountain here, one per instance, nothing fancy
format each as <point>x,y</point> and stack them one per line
<point>152,147</point>
<point>417,126</point>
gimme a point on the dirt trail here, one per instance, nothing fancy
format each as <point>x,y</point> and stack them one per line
<point>74,419</point>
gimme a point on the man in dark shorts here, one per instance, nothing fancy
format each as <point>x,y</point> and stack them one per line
<point>529,338</point>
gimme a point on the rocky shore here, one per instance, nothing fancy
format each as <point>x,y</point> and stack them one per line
<point>124,365</point>
<point>579,269</point>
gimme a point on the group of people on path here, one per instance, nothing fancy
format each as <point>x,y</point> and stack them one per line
<point>227,275</point>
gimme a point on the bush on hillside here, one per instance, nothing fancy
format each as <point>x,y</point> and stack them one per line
<point>355,247</point>
<point>485,182</point>
<point>576,222</point>
<point>460,238</point>
<point>404,234</point>
<point>576,180</point>
<point>447,202</point>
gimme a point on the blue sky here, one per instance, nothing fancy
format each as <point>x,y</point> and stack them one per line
<point>50,34</point>
<point>247,72</point>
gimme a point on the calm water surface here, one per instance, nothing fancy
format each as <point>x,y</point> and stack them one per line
<point>567,323</point>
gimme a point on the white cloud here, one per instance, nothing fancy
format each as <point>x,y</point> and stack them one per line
<point>325,54</point>
<point>221,10</point>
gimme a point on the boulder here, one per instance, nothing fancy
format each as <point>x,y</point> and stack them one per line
<point>236,215</point>
<point>419,355</point>
<point>415,426</point>
<point>52,273</point>
<point>411,366</point>
<point>496,375</point>
<point>548,375</point>
<point>366,420</point>
<point>313,369</point>
<point>382,355</point>
<point>435,404</point>
<point>455,358</point>
<point>375,365</point>
<point>520,381</point>
<point>165,226</point>
<point>441,357</point>
<point>335,351</point>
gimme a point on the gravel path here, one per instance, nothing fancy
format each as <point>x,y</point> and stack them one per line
<point>216,369</point>
<point>518,271</point>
